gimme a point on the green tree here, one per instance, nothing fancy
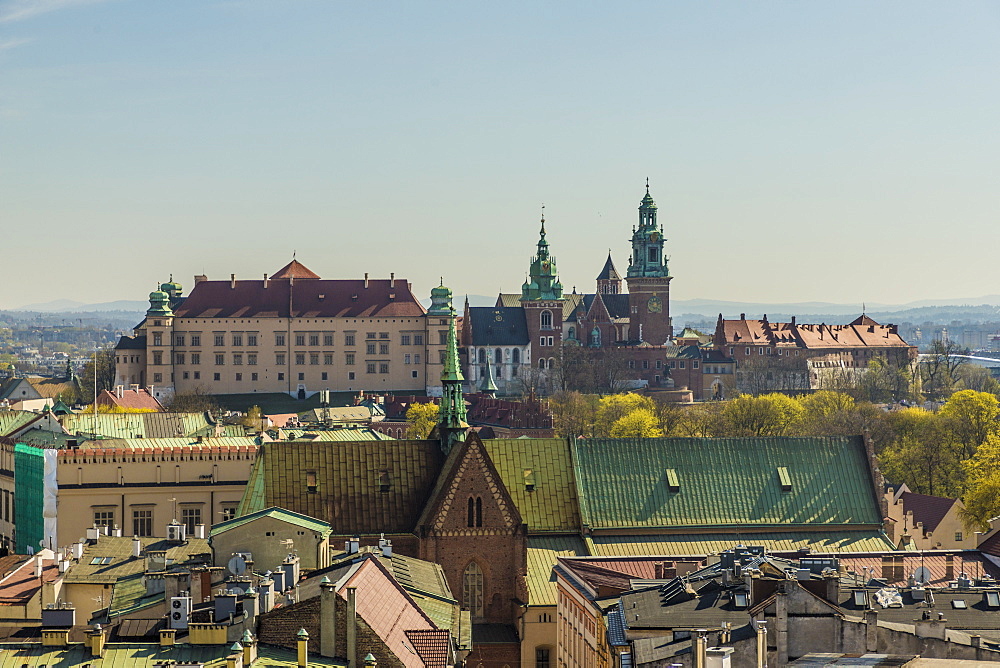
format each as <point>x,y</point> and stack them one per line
<point>573,413</point>
<point>615,406</point>
<point>913,453</point>
<point>982,495</point>
<point>638,423</point>
<point>422,419</point>
<point>765,415</point>
<point>970,418</point>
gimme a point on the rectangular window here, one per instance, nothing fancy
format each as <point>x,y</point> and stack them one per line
<point>416,359</point>
<point>157,377</point>
<point>158,358</point>
<point>196,339</point>
<point>413,373</point>
<point>551,341</point>
<point>220,359</point>
<point>541,341</point>
<point>695,364</point>
<point>645,364</point>
<point>405,340</point>
<point>104,518</point>
<point>383,367</point>
<point>746,350</point>
<point>328,339</point>
<point>418,339</point>
<point>314,358</point>
<point>216,376</point>
<point>197,375</point>
<point>370,349</point>
<point>406,358</point>
<point>281,376</point>
<point>302,376</point>
<point>731,352</point>
<point>659,364</point>
<point>327,359</point>
<point>238,359</point>
<point>323,376</point>
<point>441,355</point>
<point>185,375</point>
<point>383,335</point>
<point>157,339</point>
<point>142,522</point>
<point>958,536</point>
<point>369,335</point>
<point>251,339</point>
<point>683,364</point>
<point>383,349</point>
<point>673,364</point>
<point>190,517</point>
<point>178,339</point>
<point>350,375</point>
<point>279,339</point>
<point>760,351</point>
<point>370,367</point>
<point>220,339</point>
<point>238,340</point>
<point>228,513</point>
<point>178,358</point>
<point>239,377</point>
<point>300,339</point>
<point>314,339</point>
<point>349,339</point>
<point>349,359</point>
<point>300,359</point>
<point>631,364</point>
<point>253,377</point>
<point>252,359</point>
<point>443,337</point>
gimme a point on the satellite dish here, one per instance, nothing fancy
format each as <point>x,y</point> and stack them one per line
<point>922,575</point>
<point>237,565</point>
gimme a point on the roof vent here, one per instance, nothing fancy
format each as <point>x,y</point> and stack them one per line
<point>529,480</point>
<point>673,482</point>
<point>784,479</point>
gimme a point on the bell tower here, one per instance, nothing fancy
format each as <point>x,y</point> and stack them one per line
<point>648,279</point>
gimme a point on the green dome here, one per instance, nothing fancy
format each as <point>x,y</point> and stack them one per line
<point>171,286</point>
<point>158,296</point>
<point>441,291</point>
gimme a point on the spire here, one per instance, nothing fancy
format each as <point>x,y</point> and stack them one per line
<point>451,417</point>
<point>543,245</point>
<point>488,386</point>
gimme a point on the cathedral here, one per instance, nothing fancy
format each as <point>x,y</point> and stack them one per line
<point>515,345</point>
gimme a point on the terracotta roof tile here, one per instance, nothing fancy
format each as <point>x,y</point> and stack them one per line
<point>294,269</point>
<point>431,646</point>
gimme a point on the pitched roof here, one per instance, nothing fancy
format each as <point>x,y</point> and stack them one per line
<point>12,421</point>
<point>138,425</point>
<point>864,334</point>
<point>726,482</point>
<point>294,269</point>
<point>543,553</point>
<point>316,298</point>
<point>929,510</point>
<point>123,564</point>
<point>944,565</point>
<point>18,389</point>
<point>431,645</point>
<point>699,544</point>
<point>498,326</point>
<point>139,399</point>
<point>20,585</point>
<point>348,477</point>
<point>131,343</point>
<point>609,273</point>
<point>545,465</point>
<point>304,521</point>
<point>116,655</point>
<point>50,388</point>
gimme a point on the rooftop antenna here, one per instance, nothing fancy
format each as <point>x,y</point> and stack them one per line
<point>647,185</point>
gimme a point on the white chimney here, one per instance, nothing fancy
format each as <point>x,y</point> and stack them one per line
<point>265,281</point>
<point>387,548</point>
<point>117,531</point>
<point>232,281</point>
<point>199,530</point>
<point>136,547</point>
<point>78,550</point>
<point>366,280</point>
<point>38,566</point>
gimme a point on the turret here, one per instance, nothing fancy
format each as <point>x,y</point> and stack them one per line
<point>159,305</point>
<point>440,301</point>
<point>543,277</point>
<point>451,416</point>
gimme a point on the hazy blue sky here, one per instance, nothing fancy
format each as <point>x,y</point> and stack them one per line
<point>838,151</point>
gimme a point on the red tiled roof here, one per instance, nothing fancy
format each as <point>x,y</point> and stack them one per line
<point>969,561</point>
<point>862,333</point>
<point>431,646</point>
<point>316,298</point>
<point>135,399</point>
<point>20,585</point>
<point>929,510</point>
<point>294,269</point>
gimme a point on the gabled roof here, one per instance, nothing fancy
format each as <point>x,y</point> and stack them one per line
<point>122,563</point>
<point>297,519</point>
<point>726,482</point>
<point>294,269</point>
<point>545,465</point>
<point>18,389</point>
<point>543,554</point>
<point>138,425</point>
<point>929,510</point>
<point>316,298</point>
<point>498,326</point>
<point>349,475</point>
<point>609,273</point>
<point>139,399</point>
<point>698,544</point>
<point>12,421</point>
<point>131,343</point>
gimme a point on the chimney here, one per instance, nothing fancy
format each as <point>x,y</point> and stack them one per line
<point>95,641</point>
<point>39,567</point>
<point>265,281</point>
<point>251,604</point>
<point>200,278</point>
<point>366,280</point>
<point>352,626</point>
<point>698,646</point>
<point>370,661</point>
<point>168,637</point>
<point>235,658</point>
<point>249,648</point>
<point>871,630</point>
<point>392,278</point>
<point>199,530</point>
<point>761,644</point>
<point>793,320</point>
<point>55,638</point>
<point>327,618</point>
<point>718,657</point>
<point>387,548</point>
<point>291,568</point>
<point>232,281</point>
<point>136,547</point>
<point>77,551</point>
<point>303,647</point>
<point>116,532</point>
<point>743,316</point>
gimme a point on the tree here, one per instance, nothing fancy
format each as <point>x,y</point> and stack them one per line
<point>254,419</point>
<point>197,400</point>
<point>639,423</point>
<point>914,454</point>
<point>615,406</point>
<point>766,415</point>
<point>982,496</point>
<point>761,374</point>
<point>939,367</point>
<point>971,418</point>
<point>422,419</point>
<point>103,360</point>
<point>573,413</point>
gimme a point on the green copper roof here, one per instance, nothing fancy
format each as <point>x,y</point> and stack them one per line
<point>488,384</point>
<point>452,413</point>
<point>159,305</point>
<point>542,555</point>
<point>298,519</point>
<point>704,544</point>
<point>538,474</point>
<point>725,482</point>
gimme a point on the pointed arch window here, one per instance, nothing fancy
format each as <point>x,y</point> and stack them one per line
<point>515,356</point>
<point>482,355</point>
<point>475,513</point>
<point>472,590</point>
<point>546,319</point>
<point>498,356</point>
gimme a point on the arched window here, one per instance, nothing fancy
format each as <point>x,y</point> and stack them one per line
<point>552,363</point>
<point>498,356</point>
<point>482,355</point>
<point>541,364</point>
<point>472,590</point>
<point>595,337</point>
<point>515,356</point>
<point>475,514</point>
<point>572,333</point>
<point>546,317</point>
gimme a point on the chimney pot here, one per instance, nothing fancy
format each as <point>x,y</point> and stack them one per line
<point>232,281</point>
<point>265,281</point>
<point>366,280</point>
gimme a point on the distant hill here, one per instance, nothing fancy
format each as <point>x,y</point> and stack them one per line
<point>70,306</point>
<point>922,309</point>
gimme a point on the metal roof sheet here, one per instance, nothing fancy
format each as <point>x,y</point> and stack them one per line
<point>543,551</point>
<point>725,482</point>
<point>704,544</point>
<point>126,655</point>
<point>288,516</point>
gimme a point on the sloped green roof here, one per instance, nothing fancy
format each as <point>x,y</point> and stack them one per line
<point>542,554</point>
<point>11,421</point>
<point>128,595</point>
<point>705,544</point>
<point>546,463</point>
<point>138,425</point>
<point>348,434</point>
<point>349,476</point>
<point>122,564</point>
<point>297,519</point>
<point>126,655</point>
<point>725,482</point>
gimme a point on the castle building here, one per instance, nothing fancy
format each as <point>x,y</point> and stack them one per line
<point>292,332</point>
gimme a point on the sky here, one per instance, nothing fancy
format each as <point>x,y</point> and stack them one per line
<point>798,151</point>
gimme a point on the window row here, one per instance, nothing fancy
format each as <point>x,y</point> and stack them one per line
<point>513,355</point>
<point>142,518</point>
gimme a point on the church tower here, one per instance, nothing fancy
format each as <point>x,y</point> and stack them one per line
<point>542,300</point>
<point>609,282</point>
<point>648,279</point>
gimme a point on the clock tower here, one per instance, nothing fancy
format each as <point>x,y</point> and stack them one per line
<point>648,279</point>
<point>542,300</point>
